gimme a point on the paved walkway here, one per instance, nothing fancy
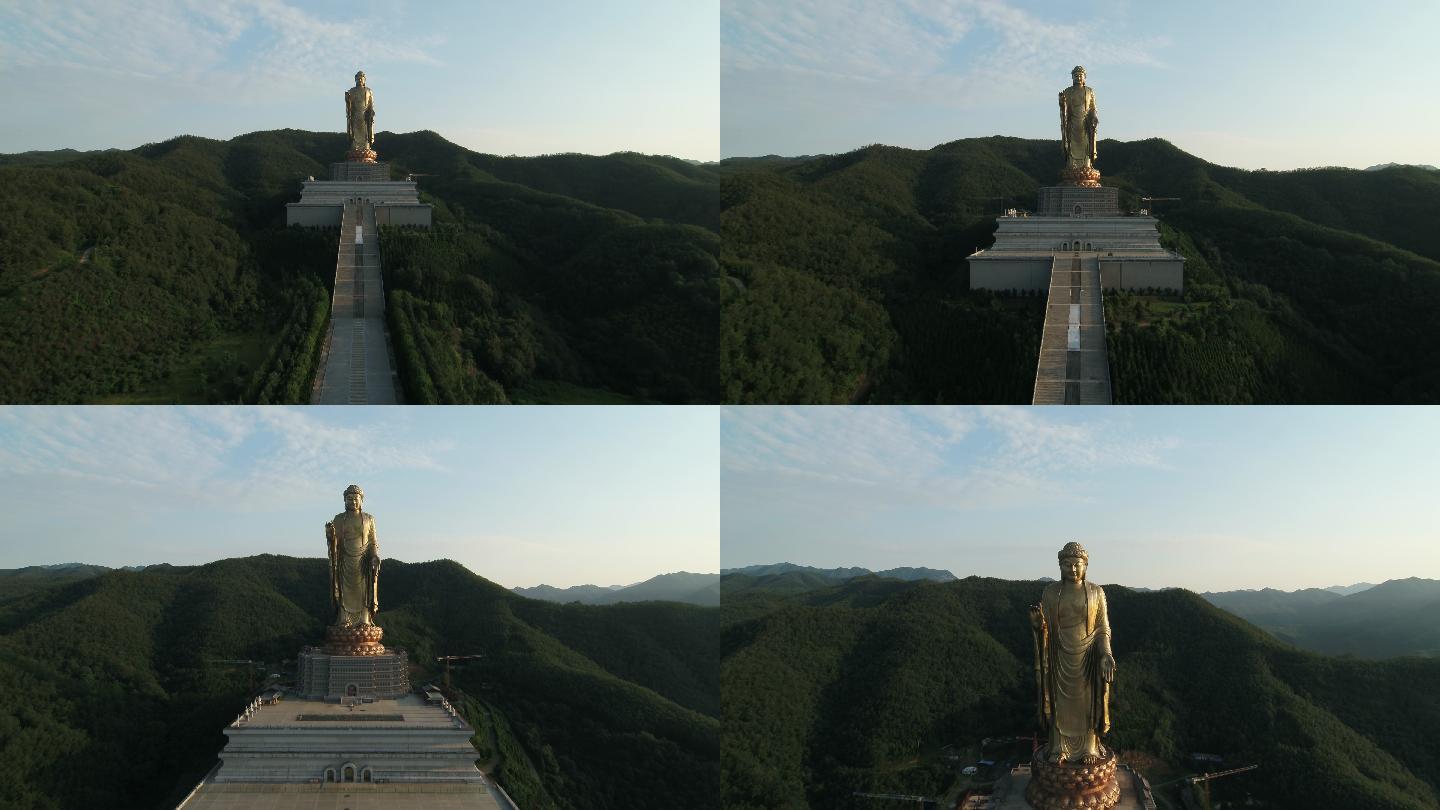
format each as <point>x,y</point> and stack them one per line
<point>1073,368</point>
<point>357,369</point>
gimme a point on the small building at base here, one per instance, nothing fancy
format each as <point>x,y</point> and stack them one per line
<point>1083,223</point>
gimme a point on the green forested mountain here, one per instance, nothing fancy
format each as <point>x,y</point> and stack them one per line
<point>847,280</point>
<point>856,687</point>
<point>119,676</point>
<point>165,274</point>
<point>1388,620</point>
<point>20,581</point>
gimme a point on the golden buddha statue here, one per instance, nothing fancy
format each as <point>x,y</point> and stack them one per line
<point>1078,124</point>
<point>354,576</point>
<point>360,120</point>
<point>1074,669</point>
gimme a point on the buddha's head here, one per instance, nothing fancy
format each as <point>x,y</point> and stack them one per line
<point>1073,560</point>
<point>1078,76</point>
<point>360,79</point>
<point>354,498</point>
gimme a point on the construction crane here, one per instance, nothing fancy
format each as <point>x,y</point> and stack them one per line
<point>1158,199</point>
<point>237,662</point>
<point>897,797</point>
<point>992,199</point>
<point>1203,780</point>
<point>449,658</point>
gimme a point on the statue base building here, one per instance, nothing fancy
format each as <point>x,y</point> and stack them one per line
<point>322,676</point>
<point>1071,785</point>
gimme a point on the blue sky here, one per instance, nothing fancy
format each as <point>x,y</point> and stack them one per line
<point>499,77</point>
<point>1213,498</point>
<point>1278,84</point>
<point>520,496</point>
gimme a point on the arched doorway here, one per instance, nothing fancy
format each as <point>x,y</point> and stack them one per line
<point>351,690</point>
<point>367,776</point>
<point>329,774</point>
<point>348,774</point>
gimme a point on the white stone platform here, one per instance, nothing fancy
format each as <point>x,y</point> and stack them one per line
<point>322,202</point>
<point>396,202</point>
<point>401,741</point>
<point>1083,219</point>
<point>1128,248</point>
<point>221,796</point>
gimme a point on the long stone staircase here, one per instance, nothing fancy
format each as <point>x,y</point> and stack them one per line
<point>1073,368</point>
<point>358,368</point>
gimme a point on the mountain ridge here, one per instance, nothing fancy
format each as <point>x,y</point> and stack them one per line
<point>679,586</point>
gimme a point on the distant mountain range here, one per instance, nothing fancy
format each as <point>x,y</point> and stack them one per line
<point>841,574</point>
<point>1380,621</point>
<point>682,586</point>
<point>1401,166</point>
<point>1346,590</point>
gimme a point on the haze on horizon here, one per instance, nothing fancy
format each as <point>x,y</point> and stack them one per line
<point>520,496</point>
<point>501,78</point>
<point>1206,498</point>
<point>1277,85</point>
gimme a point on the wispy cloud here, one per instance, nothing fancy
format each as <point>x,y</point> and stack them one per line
<point>955,52</point>
<point>207,455</point>
<point>193,43</point>
<point>950,458</point>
